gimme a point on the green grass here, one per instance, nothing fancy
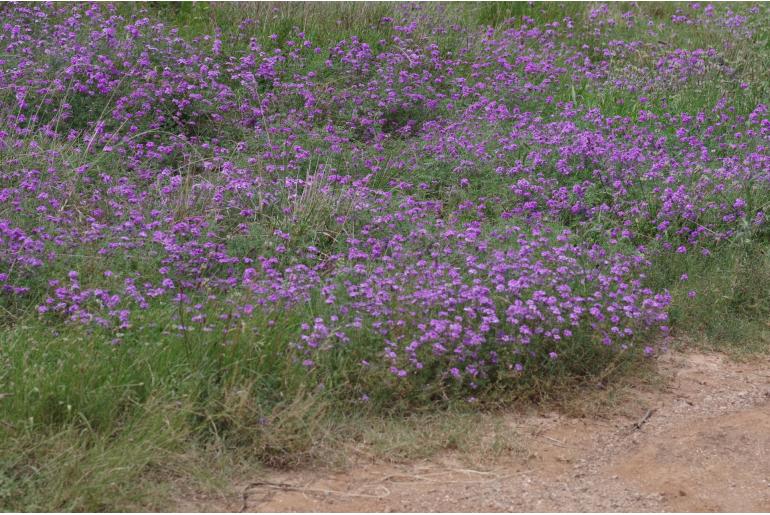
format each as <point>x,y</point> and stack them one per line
<point>731,309</point>
<point>79,468</point>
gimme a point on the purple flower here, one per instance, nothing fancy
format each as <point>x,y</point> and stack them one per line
<point>405,214</point>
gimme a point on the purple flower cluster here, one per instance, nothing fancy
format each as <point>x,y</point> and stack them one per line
<point>473,301</point>
<point>448,193</point>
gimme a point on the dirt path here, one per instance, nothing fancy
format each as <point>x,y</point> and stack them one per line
<point>705,446</point>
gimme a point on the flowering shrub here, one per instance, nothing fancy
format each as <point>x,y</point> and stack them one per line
<point>467,202</point>
<point>482,303</point>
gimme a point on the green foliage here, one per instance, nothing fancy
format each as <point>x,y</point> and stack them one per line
<point>731,309</point>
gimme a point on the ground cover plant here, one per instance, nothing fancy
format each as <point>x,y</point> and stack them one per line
<point>221,225</point>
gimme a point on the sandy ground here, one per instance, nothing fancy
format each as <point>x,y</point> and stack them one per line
<point>700,443</point>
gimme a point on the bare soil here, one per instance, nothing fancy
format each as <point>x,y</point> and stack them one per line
<point>701,442</point>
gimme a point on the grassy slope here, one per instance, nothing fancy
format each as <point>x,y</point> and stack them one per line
<point>86,426</point>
